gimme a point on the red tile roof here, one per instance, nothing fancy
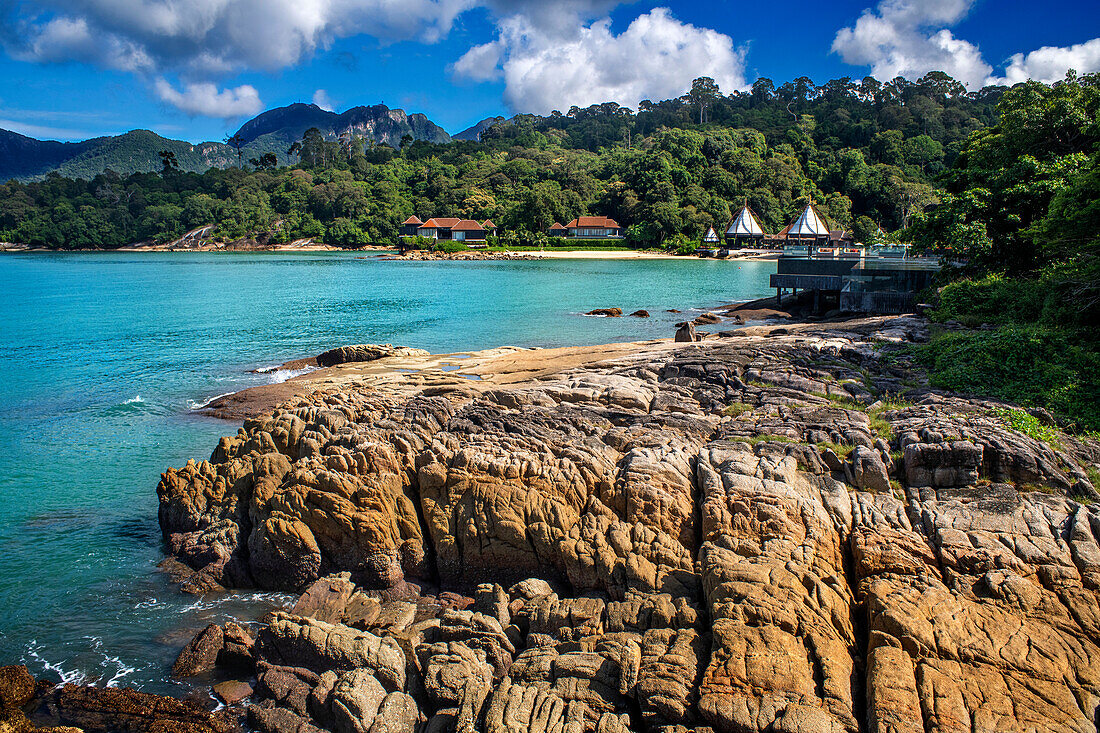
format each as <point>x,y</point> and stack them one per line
<point>489,225</point>
<point>556,227</point>
<point>593,221</point>
<point>411,220</point>
<point>440,223</point>
<point>467,225</point>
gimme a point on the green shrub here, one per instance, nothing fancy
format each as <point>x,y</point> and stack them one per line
<point>1029,425</point>
<point>450,247</point>
<point>993,299</point>
<point>1034,365</point>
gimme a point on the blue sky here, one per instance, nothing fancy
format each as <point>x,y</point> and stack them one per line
<point>195,69</point>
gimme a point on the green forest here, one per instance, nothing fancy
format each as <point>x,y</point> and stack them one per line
<point>870,154</point>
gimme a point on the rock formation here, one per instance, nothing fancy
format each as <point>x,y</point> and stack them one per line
<point>782,533</point>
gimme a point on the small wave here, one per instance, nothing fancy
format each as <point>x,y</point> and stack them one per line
<point>33,654</point>
<point>193,406</point>
<point>209,603</point>
<point>279,376</point>
<point>121,669</point>
<point>134,400</point>
<point>148,603</point>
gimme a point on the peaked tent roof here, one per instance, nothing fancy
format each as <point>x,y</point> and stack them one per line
<point>745,224</point>
<point>808,224</point>
<point>711,235</point>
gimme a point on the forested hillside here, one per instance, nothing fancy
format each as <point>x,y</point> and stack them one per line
<point>871,155</point>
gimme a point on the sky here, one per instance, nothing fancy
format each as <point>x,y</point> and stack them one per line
<point>196,69</point>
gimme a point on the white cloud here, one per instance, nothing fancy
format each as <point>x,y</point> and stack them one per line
<point>43,132</point>
<point>205,99</point>
<point>322,100</point>
<point>907,38</point>
<point>216,36</point>
<point>1050,63</point>
<point>656,57</point>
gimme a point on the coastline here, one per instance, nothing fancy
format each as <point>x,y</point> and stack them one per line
<point>470,516</point>
<point>554,254</point>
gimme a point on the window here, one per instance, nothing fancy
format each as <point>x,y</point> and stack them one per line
<point>459,236</point>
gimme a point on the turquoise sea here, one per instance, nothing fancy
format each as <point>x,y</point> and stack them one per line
<point>103,355</point>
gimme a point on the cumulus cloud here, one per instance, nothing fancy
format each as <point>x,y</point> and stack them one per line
<point>908,38</point>
<point>573,63</point>
<point>214,36</point>
<point>1050,63</point>
<point>204,98</point>
<point>322,100</point>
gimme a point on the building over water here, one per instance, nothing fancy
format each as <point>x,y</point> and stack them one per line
<point>744,229</point>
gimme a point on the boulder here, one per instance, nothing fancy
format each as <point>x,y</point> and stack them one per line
<point>232,692</point>
<point>640,314</point>
<point>606,312</point>
<point>201,654</point>
<point>685,333</point>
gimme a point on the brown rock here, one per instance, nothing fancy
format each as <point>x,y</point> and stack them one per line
<point>640,314</point>
<point>16,686</point>
<point>201,653</point>
<point>115,710</point>
<point>606,312</point>
<point>232,691</point>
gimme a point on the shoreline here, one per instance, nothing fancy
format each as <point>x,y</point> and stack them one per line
<point>572,502</point>
<point>407,371</point>
<point>465,255</point>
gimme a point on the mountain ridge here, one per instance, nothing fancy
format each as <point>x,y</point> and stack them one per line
<point>25,158</point>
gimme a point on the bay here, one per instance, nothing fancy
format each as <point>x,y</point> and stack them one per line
<point>103,355</point>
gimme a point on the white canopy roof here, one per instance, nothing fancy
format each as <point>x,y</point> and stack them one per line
<point>744,224</point>
<point>808,224</point>
<point>711,235</point>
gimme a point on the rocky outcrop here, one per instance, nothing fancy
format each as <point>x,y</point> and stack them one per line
<point>781,533</point>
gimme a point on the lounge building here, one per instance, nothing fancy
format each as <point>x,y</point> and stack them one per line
<point>808,228</point>
<point>593,227</point>
<point>410,226</point>
<point>557,230</point>
<point>448,229</point>
<point>744,229</point>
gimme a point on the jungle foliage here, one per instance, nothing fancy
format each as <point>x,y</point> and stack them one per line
<point>868,153</point>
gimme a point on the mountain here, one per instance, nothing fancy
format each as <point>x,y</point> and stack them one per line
<point>276,129</point>
<point>25,158</point>
<point>474,133</point>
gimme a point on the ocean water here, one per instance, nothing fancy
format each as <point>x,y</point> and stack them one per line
<point>102,356</point>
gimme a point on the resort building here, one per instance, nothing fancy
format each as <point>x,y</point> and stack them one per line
<point>557,230</point>
<point>593,227</point>
<point>711,237</point>
<point>440,228</point>
<point>808,228</point>
<point>744,229</point>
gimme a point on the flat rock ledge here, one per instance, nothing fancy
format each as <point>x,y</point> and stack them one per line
<point>785,531</point>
